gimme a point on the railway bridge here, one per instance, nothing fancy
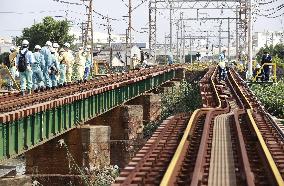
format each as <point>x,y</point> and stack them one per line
<point>41,119</point>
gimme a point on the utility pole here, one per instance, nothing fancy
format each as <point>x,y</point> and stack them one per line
<point>108,31</point>
<point>249,39</point>
<point>89,33</point>
<point>153,27</point>
<point>109,38</point>
<point>181,34</point>
<point>171,27</point>
<point>229,39</point>
<point>126,42</point>
<point>129,30</point>
<point>183,44</point>
<point>237,37</point>
<point>207,46</point>
<point>190,49</point>
<point>177,48</point>
<point>220,30</point>
<point>82,32</point>
<point>166,48</point>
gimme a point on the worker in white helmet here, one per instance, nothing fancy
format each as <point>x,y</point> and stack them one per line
<point>56,48</point>
<point>24,61</point>
<point>54,69</point>
<point>62,67</point>
<point>89,63</point>
<point>69,61</point>
<point>11,65</point>
<point>38,69</point>
<point>45,51</point>
<point>79,65</point>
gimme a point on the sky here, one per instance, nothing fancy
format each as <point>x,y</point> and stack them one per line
<point>17,14</point>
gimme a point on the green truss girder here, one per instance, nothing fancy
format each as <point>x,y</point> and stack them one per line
<point>19,136</point>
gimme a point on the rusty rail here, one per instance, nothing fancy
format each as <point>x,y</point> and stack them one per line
<point>151,161</point>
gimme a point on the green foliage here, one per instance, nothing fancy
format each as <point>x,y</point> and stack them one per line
<point>276,51</point>
<point>2,56</point>
<point>272,97</point>
<point>279,62</point>
<point>187,58</point>
<point>49,29</point>
<point>183,99</point>
<point>104,176</point>
<point>162,59</point>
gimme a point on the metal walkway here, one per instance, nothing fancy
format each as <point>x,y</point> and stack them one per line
<point>222,168</point>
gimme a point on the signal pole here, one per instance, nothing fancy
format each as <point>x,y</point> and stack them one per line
<point>89,33</point>
<point>249,39</point>
<point>128,36</point>
<point>237,36</point>
<point>220,30</point>
<point>171,27</point>
<point>229,39</point>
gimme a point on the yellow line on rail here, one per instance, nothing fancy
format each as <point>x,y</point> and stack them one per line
<point>270,160</point>
<point>214,86</point>
<point>170,171</point>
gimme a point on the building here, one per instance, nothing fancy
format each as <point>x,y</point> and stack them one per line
<point>5,44</point>
<point>260,39</point>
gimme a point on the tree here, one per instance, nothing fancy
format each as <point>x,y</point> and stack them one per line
<point>2,56</point>
<point>188,58</point>
<point>48,30</point>
<point>275,51</point>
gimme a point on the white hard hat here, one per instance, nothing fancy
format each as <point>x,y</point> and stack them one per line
<point>52,50</point>
<point>13,48</point>
<point>37,47</point>
<point>25,42</point>
<point>66,45</point>
<point>88,46</point>
<point>61,50</point>
<point>55,45</point>
<point>48,43</point>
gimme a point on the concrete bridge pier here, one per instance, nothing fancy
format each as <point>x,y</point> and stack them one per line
<point>111,138</point>
<point>126,123</point>
<point>87,147</point>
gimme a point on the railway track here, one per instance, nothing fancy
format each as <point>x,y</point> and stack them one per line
<point>11,102</point>
<point>149,164</point>
<point>14,107</point>
<point>230,141</point>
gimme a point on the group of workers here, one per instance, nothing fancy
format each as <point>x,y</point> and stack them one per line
<point>48,67</point>
<point>263,72</point>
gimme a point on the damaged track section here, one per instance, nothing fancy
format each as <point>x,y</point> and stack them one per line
<point>151,162</point>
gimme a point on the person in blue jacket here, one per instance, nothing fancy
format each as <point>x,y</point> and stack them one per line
<point>266,58</point>
<point>54,68</point>
<point>24,61</point>
<point>45,51</point>
<point>38,67</point>
<point>88,64</point>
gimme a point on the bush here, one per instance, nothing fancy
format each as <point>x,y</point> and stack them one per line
<point>183,99</point>
<point>271,97</point>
